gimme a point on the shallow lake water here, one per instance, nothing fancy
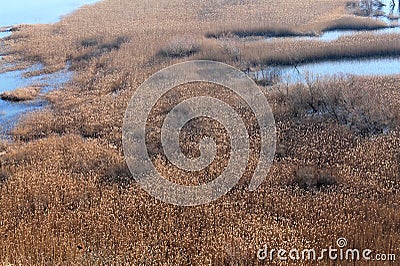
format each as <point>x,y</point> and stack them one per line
<point>31,12</point>
<point>4,34</point>
<point>333,35</point>
<point>369,67</point>
<point>15,79</point>
<point>37,11</point>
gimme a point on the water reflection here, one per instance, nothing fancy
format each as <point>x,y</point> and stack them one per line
<point>368,67</point>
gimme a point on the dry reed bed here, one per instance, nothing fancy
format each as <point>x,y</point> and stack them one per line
<point>67,197</point>
<point>290,52</point>
<point>343,22</point>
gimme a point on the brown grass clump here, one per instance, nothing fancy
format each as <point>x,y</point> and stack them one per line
<point>353,23</point>
<point>341,23</point>
<point>310,177</point>
<point>68,198</point>
<point>180,47</point>
<point>36,125</point>
<point>359,103</point>
<point>21,94</point>
<point>281,51</point>
<point>257,32</point>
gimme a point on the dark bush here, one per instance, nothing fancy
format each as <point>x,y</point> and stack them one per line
<point>89,42</point>
<point>180,47</point>
<point>311,177</point>
<point>3,176</point>
<point>118,174</point>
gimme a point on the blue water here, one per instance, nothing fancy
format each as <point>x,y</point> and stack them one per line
<point>15,79</point>
<point>4,34</point>
<point>368,67</point>
<point>17,12</point>
<point>336,34</point>
<point>13,12</point>
<point>333,35</point>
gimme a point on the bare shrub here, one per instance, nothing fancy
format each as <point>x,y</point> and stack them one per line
<point>343,99</point>
<point>230,50</point>
<point>268,75</point>
<point>368,8</point>
<point>89,42</point>
<point>311,177</point>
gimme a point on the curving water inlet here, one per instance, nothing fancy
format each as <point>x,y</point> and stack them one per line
<point>18,12</point>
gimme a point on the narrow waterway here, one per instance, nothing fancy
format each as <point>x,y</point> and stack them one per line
<point>364,67</point>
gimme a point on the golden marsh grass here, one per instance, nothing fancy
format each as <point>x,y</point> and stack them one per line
<point>66,195</point>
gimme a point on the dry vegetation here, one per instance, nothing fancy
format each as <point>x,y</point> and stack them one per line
<point>66,195</point>
<point>260,53</point>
